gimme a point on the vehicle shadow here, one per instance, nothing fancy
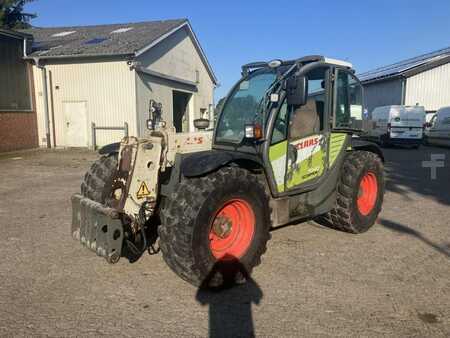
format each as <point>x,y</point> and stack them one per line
<point>405,172</point>
<point>393,226</point>
<point>229,292</point>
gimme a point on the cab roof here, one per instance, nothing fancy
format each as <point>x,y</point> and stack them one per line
<point>302,60</point>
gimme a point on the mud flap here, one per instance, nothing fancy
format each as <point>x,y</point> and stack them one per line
<point>97,227</point>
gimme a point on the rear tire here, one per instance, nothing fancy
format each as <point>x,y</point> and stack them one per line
<point>187,235</point>
<point>97,183</point>
<point>360,192</point>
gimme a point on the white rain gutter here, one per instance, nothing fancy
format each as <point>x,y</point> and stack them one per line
<point>44,95</point>
<point>44,91</point>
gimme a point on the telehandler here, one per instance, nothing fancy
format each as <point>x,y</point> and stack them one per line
<point>284,149</point>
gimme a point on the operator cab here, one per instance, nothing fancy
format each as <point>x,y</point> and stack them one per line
<point>294,115</point>
<point>305,85</point>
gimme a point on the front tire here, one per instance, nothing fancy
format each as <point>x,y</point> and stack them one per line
<point>360,192</point>
<point>224,216</point>
<point>97,183</point>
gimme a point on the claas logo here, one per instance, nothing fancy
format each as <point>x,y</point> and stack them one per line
<point>307,143</point>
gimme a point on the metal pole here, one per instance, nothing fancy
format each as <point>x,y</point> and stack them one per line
<point>126,129</point>
<point>45,97</point>
<point>403,91</point>
<point>94,141</point>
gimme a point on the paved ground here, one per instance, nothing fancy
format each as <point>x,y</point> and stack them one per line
<point>392,281</point>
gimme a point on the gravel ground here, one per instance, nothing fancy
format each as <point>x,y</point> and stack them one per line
<point>391,281</point>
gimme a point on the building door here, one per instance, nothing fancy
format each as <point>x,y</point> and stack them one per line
<point>181,111</point>
<point>75,123</point>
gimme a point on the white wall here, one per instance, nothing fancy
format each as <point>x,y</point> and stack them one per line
<point>115,94</point>
<point>430,89</point>
<point>175,56</point>
<point>108,87</point>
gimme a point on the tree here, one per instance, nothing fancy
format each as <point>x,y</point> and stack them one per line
<point>12,15</point>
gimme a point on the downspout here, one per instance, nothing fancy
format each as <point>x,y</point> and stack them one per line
<point>403,91</point>
<point>45,97</point>
<point>44,92</point>
<point>133,64</point>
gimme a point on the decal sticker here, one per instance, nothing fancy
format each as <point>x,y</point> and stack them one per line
<point>143,191</point>
<point>308,162</point>
<point>337,141</point>
<point>277,157</point>
<point>194,140</point>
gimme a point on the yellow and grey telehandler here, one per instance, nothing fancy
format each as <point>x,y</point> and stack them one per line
<point>284,149</point>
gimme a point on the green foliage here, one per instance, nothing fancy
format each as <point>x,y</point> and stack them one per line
<point>12,15</point>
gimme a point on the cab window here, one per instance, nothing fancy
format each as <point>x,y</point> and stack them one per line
<point>308,119</point>
<point>349,102</point>
<point>280,128</point>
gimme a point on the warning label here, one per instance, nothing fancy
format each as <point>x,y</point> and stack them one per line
<point>143,191</point>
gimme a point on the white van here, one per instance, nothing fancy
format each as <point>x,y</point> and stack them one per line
<point>398,125</point>
<point>438,129</point>
<point>429,117</point>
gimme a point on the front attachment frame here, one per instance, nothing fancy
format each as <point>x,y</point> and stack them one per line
<point>97,227</point>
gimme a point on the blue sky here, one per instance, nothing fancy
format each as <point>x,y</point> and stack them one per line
<point>367,33</point>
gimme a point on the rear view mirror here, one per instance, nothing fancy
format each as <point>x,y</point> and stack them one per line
<point>296,90</point>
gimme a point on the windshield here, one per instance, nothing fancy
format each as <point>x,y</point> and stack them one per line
<point>242,106</point>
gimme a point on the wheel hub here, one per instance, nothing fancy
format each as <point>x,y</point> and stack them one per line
<point>222,226</point>
<point>367,193</point>
<point>232,229</point>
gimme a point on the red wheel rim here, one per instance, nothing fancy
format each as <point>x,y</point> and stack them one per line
<point>368,193</point>
<point>232,229</point>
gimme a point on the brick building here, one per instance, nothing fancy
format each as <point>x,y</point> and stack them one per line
<point>18,123</point>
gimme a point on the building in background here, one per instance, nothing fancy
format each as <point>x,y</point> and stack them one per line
<point>18,125</point>
<point>423,80</point>
<point>107,74</point>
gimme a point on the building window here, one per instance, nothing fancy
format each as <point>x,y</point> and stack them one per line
<point>14,83</point>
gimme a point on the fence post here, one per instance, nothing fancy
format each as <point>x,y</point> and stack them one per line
<point>94,140</point>
<point>126,129</point>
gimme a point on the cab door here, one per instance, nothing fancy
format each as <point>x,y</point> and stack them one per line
<point>308,133</point>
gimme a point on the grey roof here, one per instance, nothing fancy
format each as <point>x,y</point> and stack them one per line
<point>15,34</point>
<point>408,67</point>
<point>98,40</point>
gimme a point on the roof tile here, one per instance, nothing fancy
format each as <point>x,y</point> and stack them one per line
<point>55,41</point>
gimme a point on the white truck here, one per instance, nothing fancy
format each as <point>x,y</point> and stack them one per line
<point>398,125</point>
<point>437,130</point>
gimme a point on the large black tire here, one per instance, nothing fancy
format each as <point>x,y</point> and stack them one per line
<point>187,216</point>
<point>346,215</point>
<point>97,183</point>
